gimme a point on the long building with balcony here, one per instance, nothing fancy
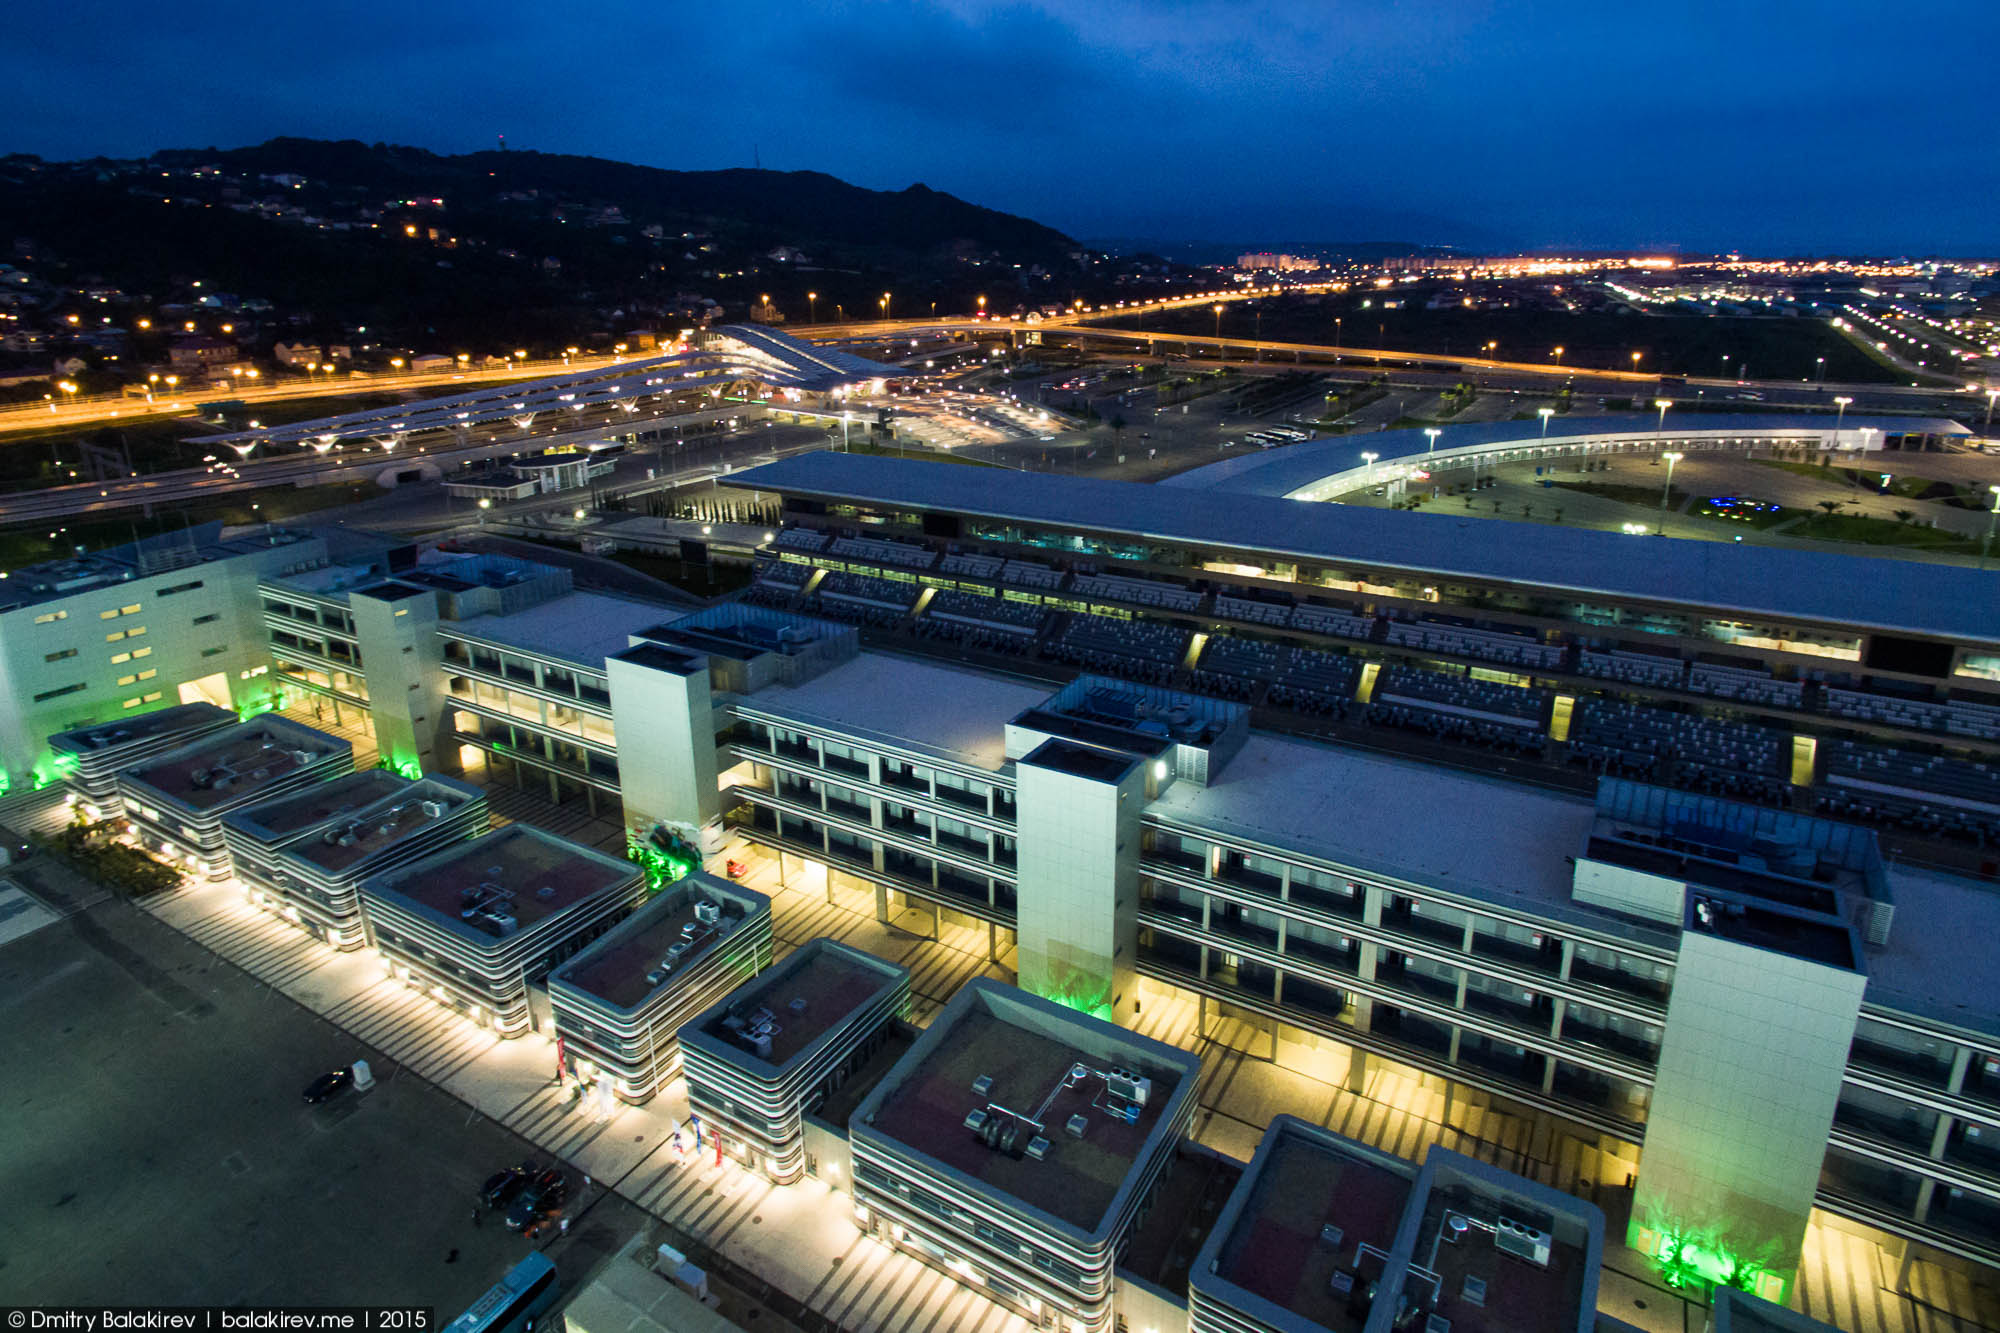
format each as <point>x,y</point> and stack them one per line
<point>175,803</point>
<point>1014,1146</point>
<point>1374,786</point>
<point>773,1050</point>
<point>476,924</point>
<point>304,857</point>
<point>619,1005</point>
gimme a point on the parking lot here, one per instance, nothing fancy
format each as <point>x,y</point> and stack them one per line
<point>159,1150</point>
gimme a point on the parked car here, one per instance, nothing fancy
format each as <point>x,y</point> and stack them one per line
<point>328,1085</point>
<point>506,1186</point>
<point>545,1192</point>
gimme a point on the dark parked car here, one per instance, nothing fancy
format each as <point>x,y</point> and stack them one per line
<point>547,1190</point>
<point>328,1085</point>
<point>506,1186</point>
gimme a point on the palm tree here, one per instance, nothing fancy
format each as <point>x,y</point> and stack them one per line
<point>1830,506</point>
<point>1905,515</point>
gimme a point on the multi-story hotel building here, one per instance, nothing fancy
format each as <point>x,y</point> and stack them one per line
<point>103,638</point>
<point>1015,1144</point>
<point>771,1052</point>
<point>619,1004</point>
<point>304,857</point>
<point>175,802</point>
<point>1337,774</point>
<point>474,924</point>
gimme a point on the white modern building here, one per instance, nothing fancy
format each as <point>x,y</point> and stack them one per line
<point>619,1005</point>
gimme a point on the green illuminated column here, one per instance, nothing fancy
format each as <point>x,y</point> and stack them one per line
<point>1077,857</point>
<point>1750,1071</point>
<point>395,630</point>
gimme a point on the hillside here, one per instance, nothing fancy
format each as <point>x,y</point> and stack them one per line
<point>495,248</point>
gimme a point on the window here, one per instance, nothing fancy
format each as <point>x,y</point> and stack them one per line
<point>49,616</point>
<point>120,659</point>
<point>107,615</point>
<point>209,618</point>
<point>130,703</point>
<point>178,587</point>
<point>131,610</point>
<point>114,636</point>
<point>135,631</point>
<point>153,698</point>
<point>128,680</point>
<point>148,675</point>
<point>216,651</point>
<point>57,657</point>
<point>57,694</point>
<point>142,652</point>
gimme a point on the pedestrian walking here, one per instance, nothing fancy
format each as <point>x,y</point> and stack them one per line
<point>563,1226</point>
<point>475,1215</point>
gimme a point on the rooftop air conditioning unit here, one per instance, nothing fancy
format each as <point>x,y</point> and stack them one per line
<point>432,809</point>
<point>1076,1125</point>
<point>707,913</point>
<point>982,1085</point>
<point>1522,1241</point>
<point>975,1120</point>
<point>1038,1148</point>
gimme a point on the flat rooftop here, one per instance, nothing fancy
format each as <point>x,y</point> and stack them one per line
<point>303,811</point>
<point>146,726</point>
<point>1442,827</point>
<point>228,767</point>
<point>811,993</point>
<point>516,870</point>
<point>167,558</point>
<point>618,969</point>
<point>1935,964</point>
<point>580,627</point>
<point>1481,1288</point>
<point>391,818</point>
<point>1313,1198</point>
<point>1029,1048</point>
<point>1735,579</point>
<point>949,712</point>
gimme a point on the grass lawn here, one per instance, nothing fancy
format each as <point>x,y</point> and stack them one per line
<point>1648,496</point>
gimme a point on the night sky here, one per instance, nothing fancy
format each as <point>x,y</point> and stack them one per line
<point>1788,126</point>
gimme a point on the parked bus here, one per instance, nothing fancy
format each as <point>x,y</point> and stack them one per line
<point>514,1304</point>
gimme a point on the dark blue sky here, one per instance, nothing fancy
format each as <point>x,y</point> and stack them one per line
<point>1770,125</point>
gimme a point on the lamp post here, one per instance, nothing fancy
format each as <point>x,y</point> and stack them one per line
<point>1635,361</point>
<point>485,503</point>
<point>1431,434</point>
<point>1218,328</point>
<point>1668,489</point>
<point>1663,404</point>
<point>1545,413</point>
<point>1840,413</point>
<point>1559,357</point>
<point>1991,394</point>
<point>982,307</point>
<point>1370,460</point>
<point>1819,376</point>
<point>1991,519</point>
<point>812,307</point>
<point>885,305</point>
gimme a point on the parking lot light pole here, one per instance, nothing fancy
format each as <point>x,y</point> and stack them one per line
<point>1545,413</point>
<point>1668,489</point>
<point>1994,517</point>
<point>1840,412</point>
<point>1431,434</point>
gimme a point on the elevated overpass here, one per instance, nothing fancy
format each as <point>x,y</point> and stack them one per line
<point>1323,469</point>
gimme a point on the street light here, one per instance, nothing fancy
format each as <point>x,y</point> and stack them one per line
<point>1666,490</point>
<point>982,306</point>
<point>1991,394</point>
<point>1840,414</point>
<point>1545,413</point>
<point>1432,432</point>
<point>1820,376</point>
<point>1635,361</point>
<point>1370,460</point>
<point>885,305</point>
<point>812,307</point>
<point>1991,519</point>
<point>1559,356</point>
<point>1663,404</point>
<point>1218,327</point>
